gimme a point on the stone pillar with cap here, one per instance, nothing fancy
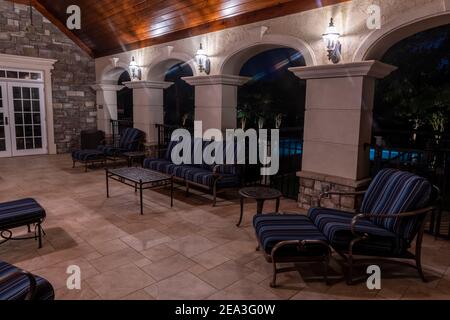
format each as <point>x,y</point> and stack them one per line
<point>337,130</point>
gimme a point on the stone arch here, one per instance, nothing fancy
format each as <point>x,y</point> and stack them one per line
<point>111,73</point>
<point>378,42</point>
<point>158,68</point>
<point>236,57</point>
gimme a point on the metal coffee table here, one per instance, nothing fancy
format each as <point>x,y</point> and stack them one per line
<point>260,194</point>
<point>140,179</point>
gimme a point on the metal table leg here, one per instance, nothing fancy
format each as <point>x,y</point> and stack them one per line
<point>171,192</point>
<point>242,212</point>
<point>259,206</point>
<point>107,183</point>
<point>140,196</point>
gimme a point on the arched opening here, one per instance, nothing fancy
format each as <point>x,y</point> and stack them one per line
<point>125,100</point>
<point>179,97</point>
<point>274,98</point>
<point>411,127</point>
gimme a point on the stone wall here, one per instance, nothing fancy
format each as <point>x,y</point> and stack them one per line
<point>312,185</point>
<point>73,100</point>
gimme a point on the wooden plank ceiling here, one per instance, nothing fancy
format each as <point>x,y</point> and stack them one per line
<point>112,26</point>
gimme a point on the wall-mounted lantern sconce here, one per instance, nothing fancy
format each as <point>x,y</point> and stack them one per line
<point>203,62</point>
<point>331,38</point>
<point>135,71</point>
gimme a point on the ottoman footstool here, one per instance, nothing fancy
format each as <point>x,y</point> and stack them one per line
<point>87,157</point>
<point>24,212</point>
<point>288,238</point>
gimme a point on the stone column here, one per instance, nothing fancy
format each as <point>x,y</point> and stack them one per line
<point>148,106</point>
<point>106,105</point>
<point>216,100</point>
<point>338,128</point>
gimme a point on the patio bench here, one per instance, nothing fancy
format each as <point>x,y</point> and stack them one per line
<point>213,177</point>
<point>23,212</point>
<point>391,217</point>
<point>16,284</point>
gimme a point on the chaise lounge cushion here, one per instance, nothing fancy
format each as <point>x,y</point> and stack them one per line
<point>336,227</point>
<point>17,289</point>
<point>87,155</point>
<point>271,229</point>
<point>19,213</point>
<point>392,192</point>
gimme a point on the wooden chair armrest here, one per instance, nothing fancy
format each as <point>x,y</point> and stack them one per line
<point>31,279</point>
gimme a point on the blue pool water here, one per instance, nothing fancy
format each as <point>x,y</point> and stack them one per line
<point>292,147</point>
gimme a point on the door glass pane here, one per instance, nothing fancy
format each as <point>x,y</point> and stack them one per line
<point>26,105</point>
<point>38,143</point>
<point>29,143</point>
<point>17,93</point>
<point>37,131</point>
<point>18,105</point>
<point>36,118</point>
<point>11,74</point>
<point>19,132</point>
<point>35,93</point>
<point>36,106</point>
<point>26,93</point>
<point>27,118</point>
<point>18,118</point>
<point>20,144</point>
<point>2,145</point>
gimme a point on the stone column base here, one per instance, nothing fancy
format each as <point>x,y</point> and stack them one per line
<point>313,184</point>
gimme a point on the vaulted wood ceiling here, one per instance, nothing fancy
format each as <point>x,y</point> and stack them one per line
<point>112,26</point>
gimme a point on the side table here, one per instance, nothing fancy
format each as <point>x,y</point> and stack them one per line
<point>260,194</point>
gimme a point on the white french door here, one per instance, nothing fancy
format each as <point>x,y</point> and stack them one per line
<point>22,119</point>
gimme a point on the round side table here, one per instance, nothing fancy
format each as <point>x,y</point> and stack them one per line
<point>260,194</point>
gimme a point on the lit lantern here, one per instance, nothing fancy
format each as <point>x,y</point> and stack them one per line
<point>134,70</point>
<point>331,38</point>
<point>202,59</point>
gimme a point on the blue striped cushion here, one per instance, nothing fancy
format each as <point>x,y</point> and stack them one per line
<point>111,150</point>
<point>130,139</point>
<point>20,212</point>
<point>206,177</point>
<point>271,229</point>
<point>336,226</point>
<point>87,155</point>
<point>18,288</point>
<point>393,192</point>
<point>157,164</point>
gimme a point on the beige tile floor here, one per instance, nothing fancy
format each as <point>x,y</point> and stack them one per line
<point>193,251</point>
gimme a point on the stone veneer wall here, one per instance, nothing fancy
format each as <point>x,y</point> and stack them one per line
<point>312,185</point>
<point>73,99</point>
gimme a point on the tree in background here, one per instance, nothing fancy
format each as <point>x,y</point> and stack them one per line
<point>417,95</point>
